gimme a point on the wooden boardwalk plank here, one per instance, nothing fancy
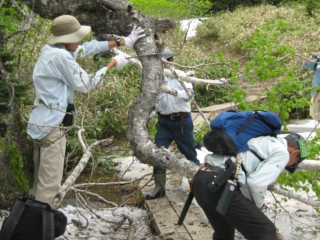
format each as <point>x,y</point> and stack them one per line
<point>166,211</point>
<point>210,111</point>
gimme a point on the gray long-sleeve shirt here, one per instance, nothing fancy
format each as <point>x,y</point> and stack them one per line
<point>56,76</point>
<point>260,174</point>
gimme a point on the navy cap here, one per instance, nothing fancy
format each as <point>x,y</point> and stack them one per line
<point>168,51</point>
<point>299,140</point>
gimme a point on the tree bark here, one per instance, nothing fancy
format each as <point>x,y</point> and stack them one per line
<point>309,165</point>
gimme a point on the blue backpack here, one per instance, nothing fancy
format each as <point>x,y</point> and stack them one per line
<point>231,130</point>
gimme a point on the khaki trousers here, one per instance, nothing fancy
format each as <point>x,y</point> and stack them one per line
<point>49,154</point>
<point>315,107</point>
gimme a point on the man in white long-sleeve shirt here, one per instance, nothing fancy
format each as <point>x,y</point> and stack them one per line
<point>56,76</point>
<point>175,124</point>
<point>267,158</point>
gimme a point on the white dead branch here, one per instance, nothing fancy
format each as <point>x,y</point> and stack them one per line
<point>309,165</point>
<point>197,81</point>
<point>80,166</point>
<point>95,195</point>
<point>276,188</point>
<point>187,77</point>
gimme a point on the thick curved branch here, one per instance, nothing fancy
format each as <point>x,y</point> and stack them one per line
<point>309,165</point>
<point>117,5</point>
<point>104,16</point>
<point>162,25</point>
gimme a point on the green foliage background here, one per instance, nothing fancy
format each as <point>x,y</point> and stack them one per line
<point>174,9</point>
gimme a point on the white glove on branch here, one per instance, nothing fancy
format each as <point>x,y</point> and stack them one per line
<point>135,35</point>
<point>190,73</point>
<point>169,90</point>
<point>121,60</point>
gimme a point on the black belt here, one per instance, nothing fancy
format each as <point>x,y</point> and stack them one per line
<point>175,116</point>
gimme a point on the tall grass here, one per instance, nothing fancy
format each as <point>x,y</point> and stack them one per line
<point>301,30</point>
<point>173,9</point>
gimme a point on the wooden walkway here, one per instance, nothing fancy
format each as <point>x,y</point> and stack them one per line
<point>210,112</point>
<point>165,212</point>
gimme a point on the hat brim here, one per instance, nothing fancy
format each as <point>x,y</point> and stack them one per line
<point>293,169</point>
<point>72,37</point>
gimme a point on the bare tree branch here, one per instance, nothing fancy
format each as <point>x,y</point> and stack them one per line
<point>291,194</point>
<point>198,81</point>
<point>78,169</point>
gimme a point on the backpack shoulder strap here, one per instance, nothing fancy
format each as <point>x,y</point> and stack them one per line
<point>12,220</point>
<point>47,225</point>
<point>254,153</point>
<point>243,169</point>
<point>247,122</point>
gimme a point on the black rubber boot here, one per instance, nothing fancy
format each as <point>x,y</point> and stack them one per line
<point>160,178</point>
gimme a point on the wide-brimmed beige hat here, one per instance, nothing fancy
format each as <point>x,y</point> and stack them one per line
<point>67,29</point>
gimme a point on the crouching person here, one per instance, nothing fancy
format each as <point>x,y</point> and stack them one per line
<point>260,167</point>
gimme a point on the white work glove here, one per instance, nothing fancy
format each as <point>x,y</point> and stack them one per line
<point>121,60</point>
<point>190,73</point>
<point>169,90</point>
<point>135,35</point>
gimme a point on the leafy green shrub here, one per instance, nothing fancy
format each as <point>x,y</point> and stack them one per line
<point>105,112</point>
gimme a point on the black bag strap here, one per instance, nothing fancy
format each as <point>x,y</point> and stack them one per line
<point>12,220</point>
<point>254,153</point>
<point>247,122</point>
<point>256,113</point>
<point>47,225</point>
<point>243,169</point>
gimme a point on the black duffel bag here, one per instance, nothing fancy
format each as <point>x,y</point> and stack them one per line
<point>30,219</point>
